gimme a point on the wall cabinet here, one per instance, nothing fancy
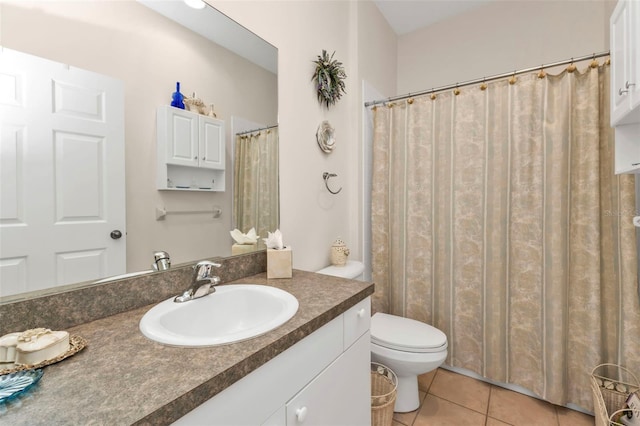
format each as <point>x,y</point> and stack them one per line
<point>625,85</point>
<point>191,151</point>
<point>322,380</point>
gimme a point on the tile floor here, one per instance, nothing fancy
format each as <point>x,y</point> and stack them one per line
<point>452,399</point>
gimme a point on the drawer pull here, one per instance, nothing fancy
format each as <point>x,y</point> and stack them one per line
<point>361,313</point>
<point>301,414</point>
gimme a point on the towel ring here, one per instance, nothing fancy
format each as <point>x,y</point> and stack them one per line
<point>326,176</point>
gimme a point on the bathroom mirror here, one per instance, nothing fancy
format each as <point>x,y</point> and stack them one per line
<point>149,46</point>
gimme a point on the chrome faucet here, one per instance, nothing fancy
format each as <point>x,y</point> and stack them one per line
<point>203,282</point>
<point>161,261</point>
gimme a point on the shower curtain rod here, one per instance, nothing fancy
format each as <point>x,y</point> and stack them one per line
<point>257,130</point>
<point>486,79</point>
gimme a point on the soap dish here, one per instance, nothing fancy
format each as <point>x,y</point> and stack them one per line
<point>76,344</point>
<point>14,384</point>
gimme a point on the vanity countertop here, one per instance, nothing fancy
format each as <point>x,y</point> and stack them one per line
<point>122,377</point>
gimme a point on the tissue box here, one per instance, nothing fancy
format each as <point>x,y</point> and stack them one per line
<point>243,248</point>
<point>279,263</point>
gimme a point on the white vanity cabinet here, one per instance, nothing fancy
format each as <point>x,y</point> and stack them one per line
<point>191,151</point>
<point>323,379</point>
<point>625,85</point>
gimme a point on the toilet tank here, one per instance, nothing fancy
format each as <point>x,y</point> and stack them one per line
<point>353,270</point>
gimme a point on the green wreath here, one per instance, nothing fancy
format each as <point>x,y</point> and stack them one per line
<point>329,78</point>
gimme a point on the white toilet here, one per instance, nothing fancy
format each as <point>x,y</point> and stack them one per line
<point>409,348</point>
<point>406,346</point>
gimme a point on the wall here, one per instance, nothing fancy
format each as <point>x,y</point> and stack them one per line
<point>311,218</point>
<point>150,53</point>
<point>500,37</point>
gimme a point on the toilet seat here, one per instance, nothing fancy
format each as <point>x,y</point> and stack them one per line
<point>405,334</point>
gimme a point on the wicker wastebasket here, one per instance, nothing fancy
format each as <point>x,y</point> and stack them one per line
<point>611,384</point>
<point>383,394</point>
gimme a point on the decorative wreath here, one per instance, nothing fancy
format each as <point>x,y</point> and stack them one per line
<point>329,78</point>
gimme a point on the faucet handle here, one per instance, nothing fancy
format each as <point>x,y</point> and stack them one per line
<point>204,269</point>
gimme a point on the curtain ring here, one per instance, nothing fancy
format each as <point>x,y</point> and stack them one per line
<point>456,91</point>
<point>513,79</point>
<point>571,68</point>
<point>326,176</point>
<point>594,62</point>
<point>433,95</point>
<point>542,74</point>
<point>483,86</point>
<point>410,101</point>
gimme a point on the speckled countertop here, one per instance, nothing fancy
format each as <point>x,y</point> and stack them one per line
<point>122,377</point>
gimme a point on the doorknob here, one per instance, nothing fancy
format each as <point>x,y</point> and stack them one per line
<point>116,234</point>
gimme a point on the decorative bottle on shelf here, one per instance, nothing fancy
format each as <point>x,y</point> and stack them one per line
<point>177,97</point>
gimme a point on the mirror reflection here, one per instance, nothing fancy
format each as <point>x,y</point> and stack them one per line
<point>125,59</point>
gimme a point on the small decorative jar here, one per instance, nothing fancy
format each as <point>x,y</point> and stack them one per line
<point>339,253</point>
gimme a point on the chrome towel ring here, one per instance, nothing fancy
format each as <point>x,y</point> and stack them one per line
<point>326,176</point>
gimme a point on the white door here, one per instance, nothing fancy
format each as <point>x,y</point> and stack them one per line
<point>62,189</point>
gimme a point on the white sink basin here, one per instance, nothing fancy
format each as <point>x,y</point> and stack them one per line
<point>233,313</point>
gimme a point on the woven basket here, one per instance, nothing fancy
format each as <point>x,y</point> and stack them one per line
<point>607,403</point>
<point>383,394</point>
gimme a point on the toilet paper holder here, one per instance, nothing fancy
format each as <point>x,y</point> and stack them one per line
<point>326,176</point>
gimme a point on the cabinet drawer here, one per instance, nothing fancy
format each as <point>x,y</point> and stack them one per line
<point>357,321</point>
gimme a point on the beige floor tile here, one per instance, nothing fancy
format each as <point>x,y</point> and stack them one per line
<point>462,390</point>
<point>518,409</point>
<point>567,417</point>
<point>425,380</point>
<point>494,422</point>
<point>437,411</point>
<point>408,418</point>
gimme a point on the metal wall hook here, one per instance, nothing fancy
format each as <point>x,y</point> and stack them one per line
<point>326,176</point>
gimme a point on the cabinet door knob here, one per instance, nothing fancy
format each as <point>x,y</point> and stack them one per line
<point>204,158</point>
<point>195,158</point>
<point>361,313</point>
<point>301,414</point>
<point>116,234</point>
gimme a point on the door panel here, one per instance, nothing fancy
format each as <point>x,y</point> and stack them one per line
<point>79,165</point>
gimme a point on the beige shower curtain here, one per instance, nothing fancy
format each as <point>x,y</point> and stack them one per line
<point>256,191</point>
<point>497,217</point>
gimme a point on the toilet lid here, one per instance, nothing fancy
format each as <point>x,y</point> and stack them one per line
<point>405,334</point>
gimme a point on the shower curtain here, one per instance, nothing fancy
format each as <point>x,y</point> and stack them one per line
<point>256,190</point>
<point>497,217</point>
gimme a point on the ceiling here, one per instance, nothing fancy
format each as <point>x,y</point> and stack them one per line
<point>405,16</point>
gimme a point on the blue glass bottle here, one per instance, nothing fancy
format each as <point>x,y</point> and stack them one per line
<point>177,97</point>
